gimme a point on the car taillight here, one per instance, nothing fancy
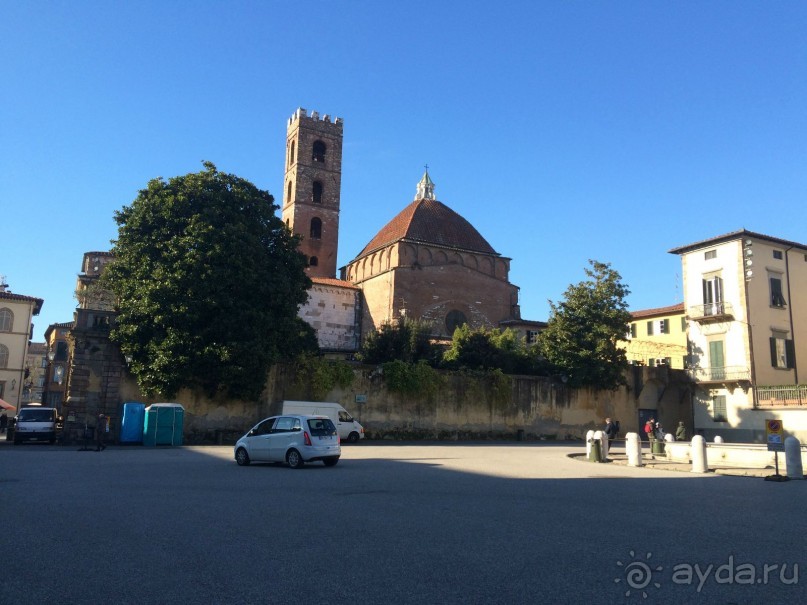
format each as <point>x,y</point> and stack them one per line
<point>338,439</point>
<point>307,439</point>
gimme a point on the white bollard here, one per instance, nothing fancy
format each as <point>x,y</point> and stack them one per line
<point>793,458</point>
<point>698,454</point>
<point>589,437</point>
<point>633,449</point>
<point>718,439</point>
<point>603,439</point>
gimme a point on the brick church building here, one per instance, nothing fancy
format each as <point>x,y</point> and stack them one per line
<point>428,262</point>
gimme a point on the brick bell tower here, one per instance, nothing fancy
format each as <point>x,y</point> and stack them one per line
<point>311,187</point>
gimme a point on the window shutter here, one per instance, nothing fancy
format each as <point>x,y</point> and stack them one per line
<point>773,352</point>
<point>790,354</point>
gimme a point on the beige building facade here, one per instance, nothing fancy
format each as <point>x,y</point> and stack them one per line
<point>16,327</point>
<point>746,303</point>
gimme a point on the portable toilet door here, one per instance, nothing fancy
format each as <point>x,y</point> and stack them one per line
<point>131,427</point>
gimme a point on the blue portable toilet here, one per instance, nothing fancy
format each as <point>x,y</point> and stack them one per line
<point>131,426</point>
<point>163,424</point>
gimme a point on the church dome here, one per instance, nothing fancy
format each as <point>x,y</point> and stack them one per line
<point>428,221</point>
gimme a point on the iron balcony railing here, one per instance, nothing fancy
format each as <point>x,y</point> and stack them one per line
<point>724,374</point>
<point>711,311</point>
<point>782,396</point>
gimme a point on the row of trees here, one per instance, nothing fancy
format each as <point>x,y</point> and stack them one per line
<point>208,281</point>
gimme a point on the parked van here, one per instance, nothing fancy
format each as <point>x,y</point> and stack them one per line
<point>349,430</point>
<point>35,423</point>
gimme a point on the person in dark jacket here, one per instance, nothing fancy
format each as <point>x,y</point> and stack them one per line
<point>100,431</point>
<point>681,432</point>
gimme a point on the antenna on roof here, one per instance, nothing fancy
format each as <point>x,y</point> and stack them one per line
<point>3,284</point>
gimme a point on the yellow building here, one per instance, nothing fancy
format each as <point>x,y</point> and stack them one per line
<point>16,314</point>
<point>658,337</point>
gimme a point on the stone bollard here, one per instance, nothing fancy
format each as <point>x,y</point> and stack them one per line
<point>793,458</point>
<point>698,454</point>
<point>603,439</point>
<point>718,439</point>
<point>633,449</point>
<point>589,437</point>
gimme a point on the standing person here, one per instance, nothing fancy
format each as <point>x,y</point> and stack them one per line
<point>100,429</point>
<point>611,429</point>
<point>650,429</point>
<point>659,432</point>
<point>681,432</point>
<point>3,422</point>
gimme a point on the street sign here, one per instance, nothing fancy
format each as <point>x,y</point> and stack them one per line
<point>776,435</point>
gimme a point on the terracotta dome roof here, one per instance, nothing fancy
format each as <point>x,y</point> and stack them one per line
<point>430,222</point>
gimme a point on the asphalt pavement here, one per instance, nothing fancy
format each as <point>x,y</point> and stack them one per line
<point>391,523</point>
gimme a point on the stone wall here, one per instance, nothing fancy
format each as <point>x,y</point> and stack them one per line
<point>464,408</point>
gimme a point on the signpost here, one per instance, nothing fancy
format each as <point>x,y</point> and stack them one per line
<point>776,443</point>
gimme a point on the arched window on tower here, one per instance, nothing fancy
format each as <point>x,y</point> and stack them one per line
<point>288,194</point>
<point>291,153</point>
<point>316,228</point>
<point>318,154</point>
<point>317,192</point>
<point>313,261</point>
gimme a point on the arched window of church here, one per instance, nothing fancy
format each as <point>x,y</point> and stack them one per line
<point>288,194</point>
<point>455,319</point>
<point>291,153</point>
<point>6,320</point>
<point>319,151</point>
<point>316,228</point>
<point>3,356</point>
<point>313,261</point>
<point>317,192</point>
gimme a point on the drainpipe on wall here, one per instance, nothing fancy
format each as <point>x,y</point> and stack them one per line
<point>790,315</point>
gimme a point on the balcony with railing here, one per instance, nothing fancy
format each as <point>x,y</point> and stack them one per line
<point>716,311</point>
<point>725,374</point>
<point>783,396</point>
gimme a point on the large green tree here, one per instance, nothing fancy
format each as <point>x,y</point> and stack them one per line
<point>208,283</point>
<point>489,349</point>
<point>583,331</point>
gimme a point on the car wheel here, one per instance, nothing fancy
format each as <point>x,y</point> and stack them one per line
<point>331,461</point>
<point>353,437</point>
<point>241,457</point>
<point>294,459</point>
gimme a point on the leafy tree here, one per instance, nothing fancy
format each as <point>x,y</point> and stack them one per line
<point>208,282</point>
<point>581,338</point>
<point>484,349</point>
<point>406,340</point>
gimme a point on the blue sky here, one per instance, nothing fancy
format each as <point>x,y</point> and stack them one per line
<point>563,131</point>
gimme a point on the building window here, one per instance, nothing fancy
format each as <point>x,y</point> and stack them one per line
<point>713,296</point>
<point>710,254</point>
<point>782,351</point>
<point>719,408</point>
<point>61,349</point>
<point>634,330</point>
<point>717,363</point>
<point>663,326</point>
<point>291,153</point>
<point>650,328</point>
<point>777,254</point>
<point>288,193</point>
<point>316,228</point>
<point>777,298</point>
<point>317,192</point>
<point>532,336</point>
<point>683,324</point>
<point>3,356</point>
<point>313,261</point>
<point>6,320</point>
<point>318,154</point>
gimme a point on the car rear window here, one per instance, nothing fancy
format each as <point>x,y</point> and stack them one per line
<point>36,415</point>
<point>320,427</point>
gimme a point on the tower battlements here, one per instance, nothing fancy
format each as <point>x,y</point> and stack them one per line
<point>302,114</point>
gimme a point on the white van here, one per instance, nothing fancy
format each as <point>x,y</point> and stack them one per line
<point>35,423</point>
<point>349,430</point>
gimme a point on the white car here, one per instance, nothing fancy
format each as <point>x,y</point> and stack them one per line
<point>292,439</point>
